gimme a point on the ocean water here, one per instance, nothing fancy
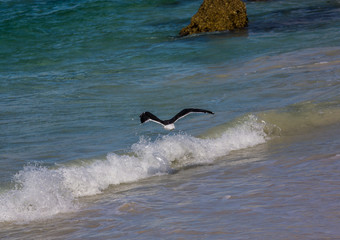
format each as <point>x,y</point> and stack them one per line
<point>75,162</point>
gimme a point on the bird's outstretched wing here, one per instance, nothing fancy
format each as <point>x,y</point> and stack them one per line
<point>187,111</point>
<point>148,116</point>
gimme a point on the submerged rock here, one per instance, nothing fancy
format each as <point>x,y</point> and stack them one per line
<point>217,15</point>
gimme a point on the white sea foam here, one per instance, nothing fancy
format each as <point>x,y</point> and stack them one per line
<point>41,192</point>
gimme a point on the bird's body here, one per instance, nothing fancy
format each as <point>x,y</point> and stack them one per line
<point>169,124</point>
<point>169,127</point>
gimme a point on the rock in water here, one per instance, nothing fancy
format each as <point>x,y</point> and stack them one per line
<point>217,15</point>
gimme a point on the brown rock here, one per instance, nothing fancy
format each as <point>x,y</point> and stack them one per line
<point>217,15</point>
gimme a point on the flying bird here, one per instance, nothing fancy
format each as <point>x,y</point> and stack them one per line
<point>169,124</point>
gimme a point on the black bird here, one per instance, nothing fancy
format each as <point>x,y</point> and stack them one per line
<point>169,124</point>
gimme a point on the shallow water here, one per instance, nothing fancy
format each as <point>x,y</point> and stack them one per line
<point>76,163</point>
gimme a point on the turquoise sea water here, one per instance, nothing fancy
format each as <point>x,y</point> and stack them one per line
<point>75,162</point>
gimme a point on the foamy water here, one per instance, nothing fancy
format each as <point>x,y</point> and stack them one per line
<point>41,192</point>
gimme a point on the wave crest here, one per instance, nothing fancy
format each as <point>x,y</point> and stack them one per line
<point>41,192</point>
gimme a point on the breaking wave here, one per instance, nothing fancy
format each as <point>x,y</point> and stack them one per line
<point>40,192</point>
